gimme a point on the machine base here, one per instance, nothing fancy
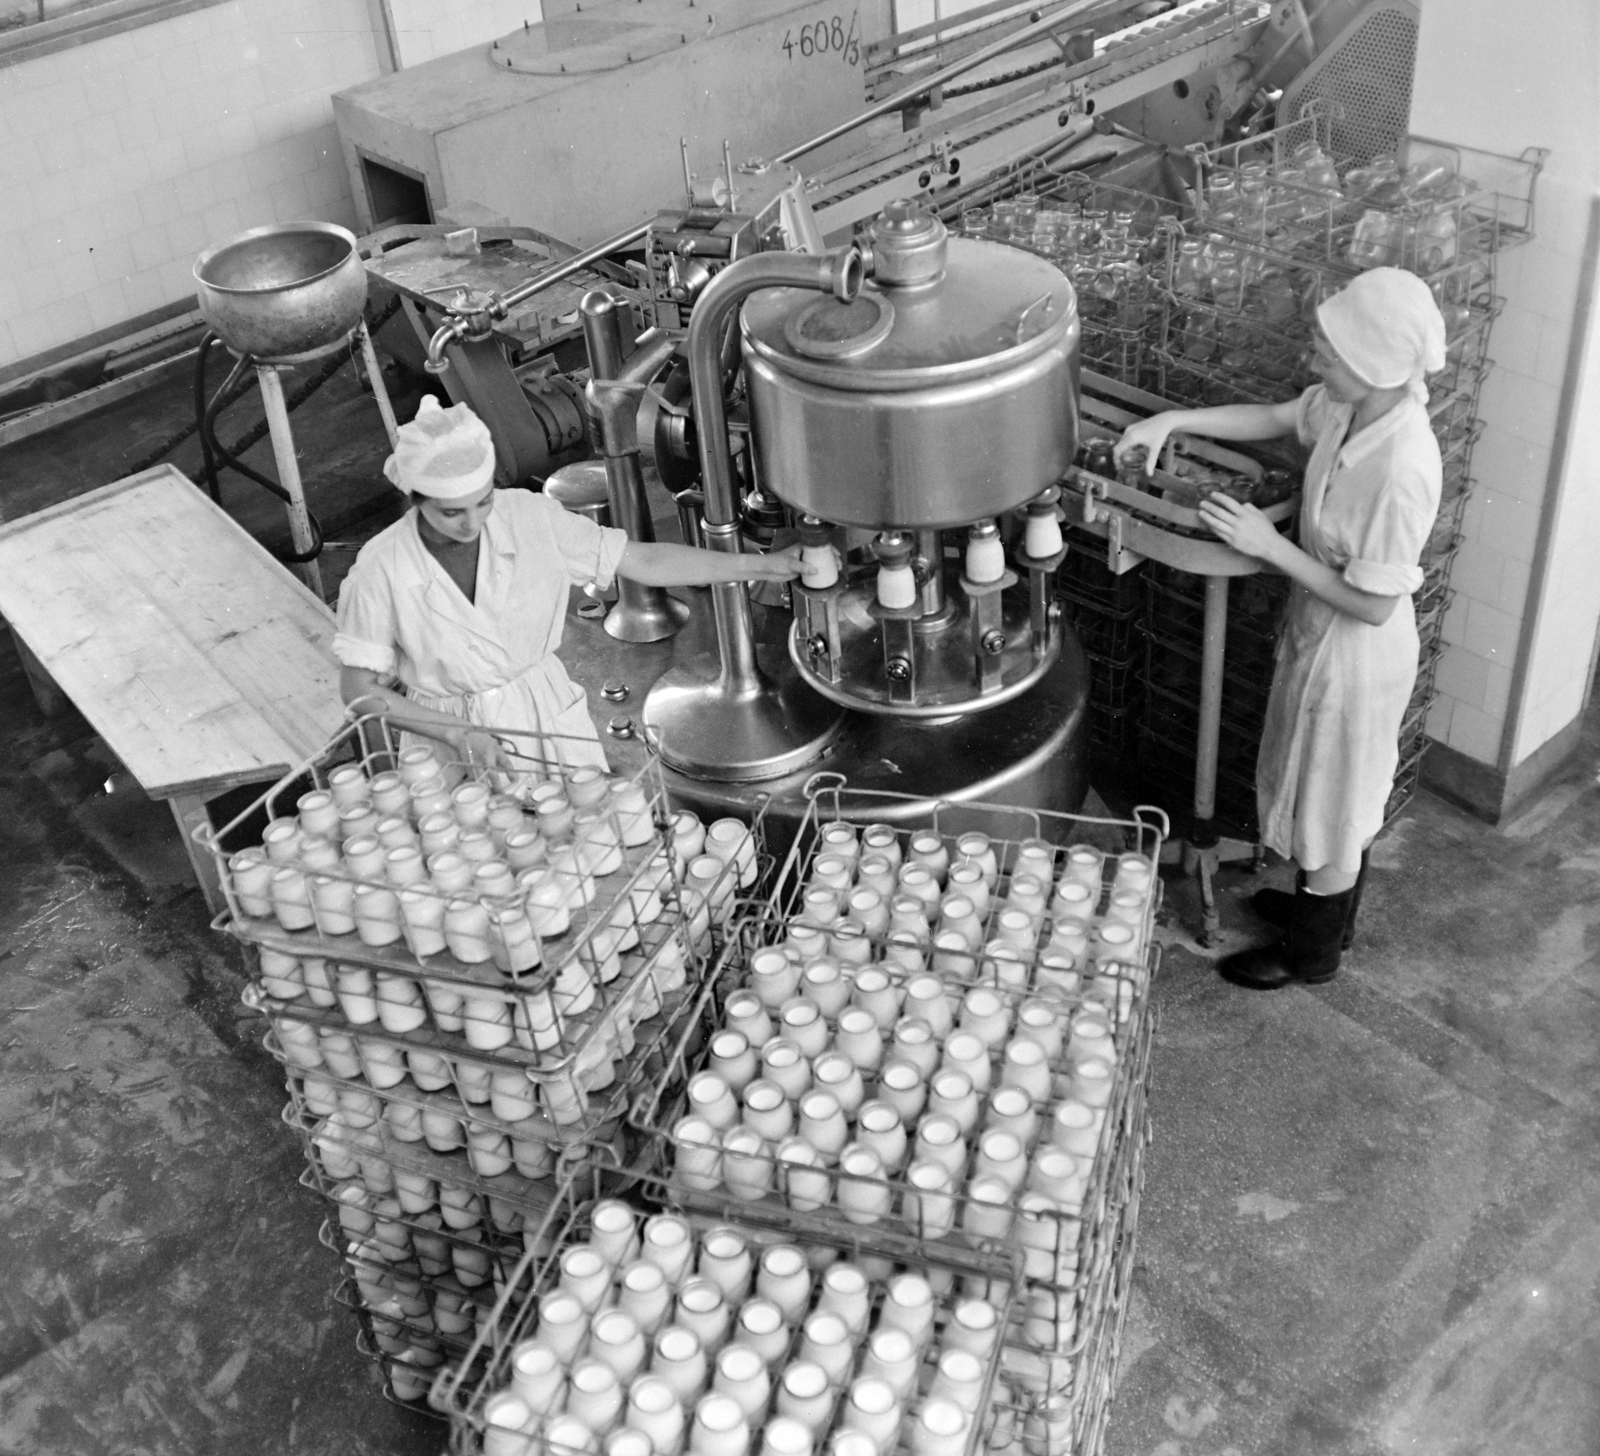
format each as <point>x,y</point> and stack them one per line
<point>703,731</point>
<point>1031,752</point>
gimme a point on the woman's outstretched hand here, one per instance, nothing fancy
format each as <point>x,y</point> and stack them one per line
<point>1243,527</point>
<point>773,565</point>
<point>1147,435</point>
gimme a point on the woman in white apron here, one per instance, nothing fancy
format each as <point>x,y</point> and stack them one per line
<point>450,619</point>
<point>1347,659</point>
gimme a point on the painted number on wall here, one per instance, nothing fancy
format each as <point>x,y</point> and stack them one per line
<point>833,36</point>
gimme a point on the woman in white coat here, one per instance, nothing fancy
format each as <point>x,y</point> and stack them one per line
<point>450,619</point>
<point>1347,658</point>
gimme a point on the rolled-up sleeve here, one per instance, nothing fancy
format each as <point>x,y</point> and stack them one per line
<point>589,552</point>
<point>367,632</point>
<point>1311,415</point>
<point>1385,562</point>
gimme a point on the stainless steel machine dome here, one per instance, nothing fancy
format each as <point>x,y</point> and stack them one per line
<point>945,392</point>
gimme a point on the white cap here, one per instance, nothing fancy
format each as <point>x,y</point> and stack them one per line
<point>446,454</point>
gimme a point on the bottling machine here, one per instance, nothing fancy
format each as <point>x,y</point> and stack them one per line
<point>905,402</point>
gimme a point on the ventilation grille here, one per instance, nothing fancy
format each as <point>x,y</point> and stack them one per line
<point>1363,80</point>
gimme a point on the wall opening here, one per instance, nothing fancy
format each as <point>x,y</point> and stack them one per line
<point>394,196</point>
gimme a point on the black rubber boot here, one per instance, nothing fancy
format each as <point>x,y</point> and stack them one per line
<point>1307,955</point>
<point>1355,903</point>
<point>1276,906</point>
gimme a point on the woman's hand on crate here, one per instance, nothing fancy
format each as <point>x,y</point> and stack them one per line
<point>481,749</point>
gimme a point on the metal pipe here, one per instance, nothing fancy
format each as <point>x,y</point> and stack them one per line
<point>1034,31</point>
<point>642,613</point>
<point>497,308</point>
<point>458,328</point>
<point>839,273</point>
<point>1209,737</point>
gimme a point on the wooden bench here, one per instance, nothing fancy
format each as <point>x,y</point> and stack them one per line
<point>202,662</point>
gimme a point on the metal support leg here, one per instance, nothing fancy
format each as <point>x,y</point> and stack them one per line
<point>380,391</point>
<point>289,472</point>
<point>1204,849</point>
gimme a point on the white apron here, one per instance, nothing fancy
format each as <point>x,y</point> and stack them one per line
<point>492,661</point>
<point>1330,747</point>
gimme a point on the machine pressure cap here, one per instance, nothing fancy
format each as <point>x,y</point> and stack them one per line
<point>443,453</point>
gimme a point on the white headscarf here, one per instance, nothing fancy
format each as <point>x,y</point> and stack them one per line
<point>443,453</point>
<point>1385,325</point>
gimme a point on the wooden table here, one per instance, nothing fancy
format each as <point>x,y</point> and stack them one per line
<point>202,662</point>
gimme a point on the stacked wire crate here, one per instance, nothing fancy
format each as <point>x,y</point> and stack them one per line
<point>465,976</point>
<point>1277,234</point>
<point>919,1072</point>
<point>1228,282</point>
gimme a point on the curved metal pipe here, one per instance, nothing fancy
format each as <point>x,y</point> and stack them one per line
<point>459,328</point>
<point>839,273</point>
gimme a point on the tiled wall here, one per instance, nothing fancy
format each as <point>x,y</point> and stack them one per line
<point>123,158</point>
<point>1489,76</point>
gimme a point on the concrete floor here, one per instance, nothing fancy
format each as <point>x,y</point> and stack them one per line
<point>1367,1225</point>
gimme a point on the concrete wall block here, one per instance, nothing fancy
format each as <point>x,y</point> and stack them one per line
<point>188,236</point>
<point>108,304</point>
<point>32,331</point>
<point>1548,283</point>
<point>1478,572</point>
<point>1438,723</point>
<point>22,113</point>
<point>1491,633</point>
<point>1464,676</point>
<point>158,203</point>
<point>1514,587</point>
<point>1515,341</point>
<point>1454,630</point>
<point>1475,733</point>
<point>74,274</point>
<point>289,198</point>
<point>1555,346</point>
<point>1515,466</point>
<point>150,247</point>
<point>1497,690</point>
<point>59,149</point>
<point>113,260</point>
<point>1522,405</point>
<point>1510,523</point>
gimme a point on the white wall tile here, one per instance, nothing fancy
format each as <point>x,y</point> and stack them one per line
<point>1511,524</point>
<point>1438,724</point>
<point>1491,633</point>
<point>1479,571</point>
<point>1475,733</point>
<point>172,137</point>
<point>1463,676</point>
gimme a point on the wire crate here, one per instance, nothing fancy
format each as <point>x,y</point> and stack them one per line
<point>818,1310</point>
<point>1406,779</point>
<point>1176,617</point>
<point>1166,777</point>
<point>1085,581</point>
<point>543,951</point>
<point>381,1028</point>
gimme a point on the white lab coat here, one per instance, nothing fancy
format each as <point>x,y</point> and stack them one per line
<point>492,661</point>
<point>1330,747</point>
